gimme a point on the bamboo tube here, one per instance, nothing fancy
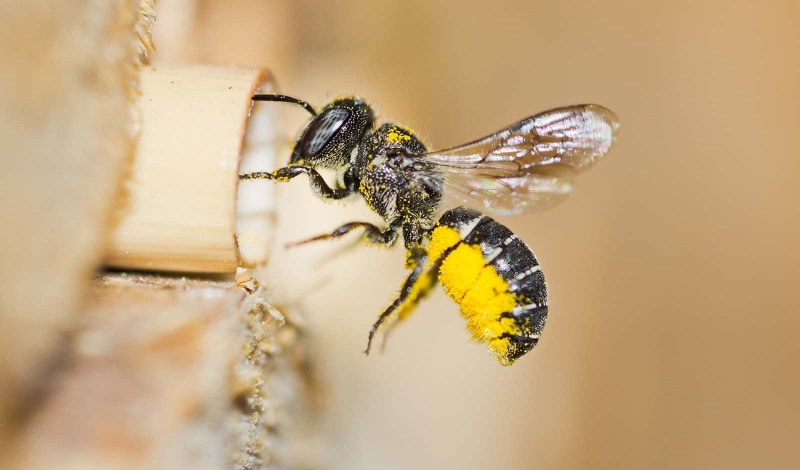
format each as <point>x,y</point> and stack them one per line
<point>255,203</point>
<point>181,213</point>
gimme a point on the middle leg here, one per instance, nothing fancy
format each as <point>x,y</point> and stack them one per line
<point>372,233</point>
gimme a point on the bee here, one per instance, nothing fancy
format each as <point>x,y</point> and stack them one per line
<point>436,199</point>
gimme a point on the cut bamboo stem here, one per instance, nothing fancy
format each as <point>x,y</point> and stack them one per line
<point>181,213</point>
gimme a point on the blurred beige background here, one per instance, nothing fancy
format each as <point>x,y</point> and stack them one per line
<point>671,341</point>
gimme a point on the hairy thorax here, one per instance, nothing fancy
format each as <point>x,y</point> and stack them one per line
<point>395,190</point>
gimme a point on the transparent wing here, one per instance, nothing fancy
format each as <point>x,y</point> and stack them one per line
<point>527,166</point>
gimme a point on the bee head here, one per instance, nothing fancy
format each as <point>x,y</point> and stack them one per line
<point>330,137</point>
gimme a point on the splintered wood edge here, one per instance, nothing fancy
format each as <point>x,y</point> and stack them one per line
<point>144,29</point>
<point>181,213</point>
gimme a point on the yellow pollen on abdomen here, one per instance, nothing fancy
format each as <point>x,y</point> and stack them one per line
<point>481,293</point>
<point>460,271</point>
<point>442,239</point>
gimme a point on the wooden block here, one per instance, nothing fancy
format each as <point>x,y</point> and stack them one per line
<point>171,373</point>
<point>67,86</point>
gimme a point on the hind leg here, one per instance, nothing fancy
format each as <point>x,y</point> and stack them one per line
<point>418,284</point>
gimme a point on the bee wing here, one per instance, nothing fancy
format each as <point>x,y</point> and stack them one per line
<point>527,166</point>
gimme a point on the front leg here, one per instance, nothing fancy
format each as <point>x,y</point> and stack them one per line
<point>318,185</point>
<point>371,232</point>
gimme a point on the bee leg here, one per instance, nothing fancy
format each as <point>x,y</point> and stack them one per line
<point>318,185</point>
<point>408,291</point>
<point>423,286</point>
<point>371,232</point>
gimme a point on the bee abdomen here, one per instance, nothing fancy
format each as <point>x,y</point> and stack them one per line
<point>494,278</point>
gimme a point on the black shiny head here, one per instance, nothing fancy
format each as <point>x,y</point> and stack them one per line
<point>331,136</point>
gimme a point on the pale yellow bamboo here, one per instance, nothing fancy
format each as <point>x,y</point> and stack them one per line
<point>180,214</point>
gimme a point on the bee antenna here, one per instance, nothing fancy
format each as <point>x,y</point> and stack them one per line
<point>286,99</point>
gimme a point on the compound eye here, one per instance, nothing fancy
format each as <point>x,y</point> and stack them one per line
<point>322,130</point>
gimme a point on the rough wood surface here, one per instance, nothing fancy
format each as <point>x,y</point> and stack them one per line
<point>67,82</point>
<point>173,373</point>
<point>124,371</point>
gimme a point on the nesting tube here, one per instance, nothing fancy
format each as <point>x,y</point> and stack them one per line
<point>183,210</point>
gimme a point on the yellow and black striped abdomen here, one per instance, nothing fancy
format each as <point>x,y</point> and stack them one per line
<point>495,279</point>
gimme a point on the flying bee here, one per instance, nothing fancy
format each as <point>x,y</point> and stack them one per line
<point>489,272</point>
